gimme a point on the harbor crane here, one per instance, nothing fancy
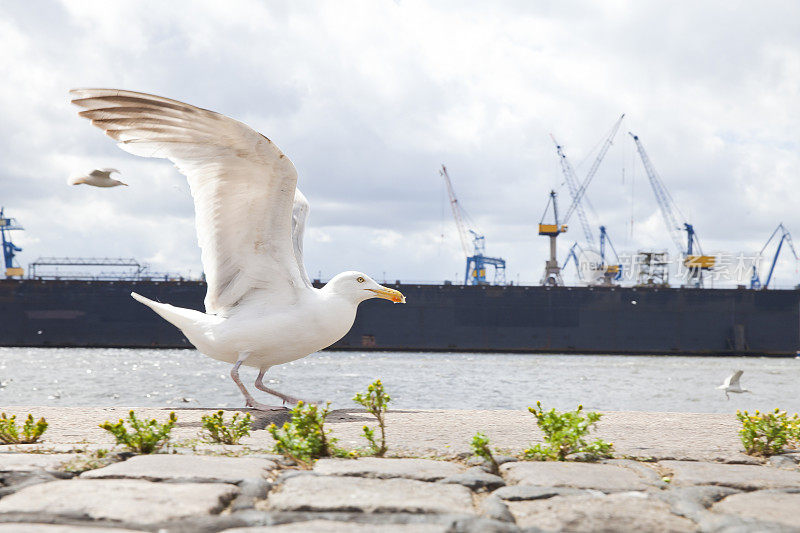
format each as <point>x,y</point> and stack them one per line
<point>477,261</point>
<point>755,281</point>
<point>552,275</point>
<point>7,225</point>
<point>692,253</point>
<point>610,269</point>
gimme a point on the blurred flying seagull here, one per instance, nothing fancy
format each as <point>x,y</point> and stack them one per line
<point>100,177</point>
<point>261,309</point>
<point>731,384</point>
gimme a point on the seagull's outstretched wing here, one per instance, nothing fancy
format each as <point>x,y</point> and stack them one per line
<point>299,216</point>
<point>733,379</point>
<point>242,185</point>
<point>103,172</point>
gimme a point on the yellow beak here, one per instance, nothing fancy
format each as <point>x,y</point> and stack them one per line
<point>389,294</point>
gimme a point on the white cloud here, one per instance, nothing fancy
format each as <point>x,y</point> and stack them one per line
<point>369,98</point>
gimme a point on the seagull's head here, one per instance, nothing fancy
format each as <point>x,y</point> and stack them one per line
<point>360,287</point>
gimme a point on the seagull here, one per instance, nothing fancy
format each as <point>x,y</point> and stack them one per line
<point>261,309</point>
<point>100,177</point>
<point>731,384</point>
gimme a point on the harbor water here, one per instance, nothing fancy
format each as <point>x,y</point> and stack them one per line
<point>185,378</point>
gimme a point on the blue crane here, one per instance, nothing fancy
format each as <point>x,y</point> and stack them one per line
<point>693,258</point>
<point>552,275</point>
<point>477,261</point>
<point>755,281</point>
<point>7,225</point>
<point>611,270</point>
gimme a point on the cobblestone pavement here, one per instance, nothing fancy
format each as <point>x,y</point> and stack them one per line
<point>694,481</point>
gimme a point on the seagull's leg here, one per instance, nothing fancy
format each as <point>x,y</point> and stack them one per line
<point>726,396</point>
<point>260,386</point>
<point>251,402</point>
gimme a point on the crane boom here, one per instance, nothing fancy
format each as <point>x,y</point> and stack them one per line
<point>593,170</point>
<point>572,183</point>
<point>663,198</point>
<point>462,228</point>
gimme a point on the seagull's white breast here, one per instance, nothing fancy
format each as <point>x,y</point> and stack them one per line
<point>277,334</point>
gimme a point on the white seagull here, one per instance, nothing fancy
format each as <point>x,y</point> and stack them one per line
<point>261,309</point>
<point>731,384</point>
<point>100,177</point>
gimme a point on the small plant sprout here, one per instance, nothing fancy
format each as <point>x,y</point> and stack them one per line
<point>303,438</point>
<point>564,435</point>
<point>375,401</point>
<point>145,436</point>
<point>480,448</point>
<point>216,430</point>
<point>29,433</point>
<point>767,434</point>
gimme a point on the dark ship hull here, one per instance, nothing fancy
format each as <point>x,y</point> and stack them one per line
<point>73,313</point>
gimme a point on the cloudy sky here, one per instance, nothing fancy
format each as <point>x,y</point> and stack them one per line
<point>369,98</point>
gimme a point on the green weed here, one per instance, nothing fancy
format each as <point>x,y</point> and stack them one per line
<point>146,436</point>
<point>376,401</point>
<point>766,434</point>
<point>216,430</point>
<point>564,435</point>
<point>303,438</point>
<point>480,448</point>
<point>29,433</point>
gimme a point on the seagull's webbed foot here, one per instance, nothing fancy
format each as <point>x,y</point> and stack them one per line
<point>252,404</point>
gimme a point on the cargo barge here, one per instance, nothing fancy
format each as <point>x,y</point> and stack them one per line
<point>463,318</point>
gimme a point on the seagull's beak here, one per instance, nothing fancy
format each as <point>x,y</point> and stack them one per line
<point>389,294</point>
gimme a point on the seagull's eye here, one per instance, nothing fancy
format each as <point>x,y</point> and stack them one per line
<point>360,279</point>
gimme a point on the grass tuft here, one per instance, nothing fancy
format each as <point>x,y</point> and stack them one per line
<point>145,436</point>
<point>27,434</point>
<point>217,430</point>
<point>564,435</point>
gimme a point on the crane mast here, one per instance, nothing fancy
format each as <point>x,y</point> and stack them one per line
<point>8,224</point>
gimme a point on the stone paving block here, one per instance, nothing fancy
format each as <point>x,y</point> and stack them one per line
<point>620,512</point>
<point>771,506</point>
<point>744,477</point>
<point>334,493</point>
<point>17,527</point>
<point>332,526</point>
<point>374,467</point>
<point>476,479</point>
<point>127,500</point>
<point>28,462</point>
<point>604,477</point>
<point>185,468</point>
<point>516,493</point>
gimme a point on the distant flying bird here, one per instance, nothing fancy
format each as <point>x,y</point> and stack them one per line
<point>97,178</point>
<point>261,309</point>
<point>731,384</point>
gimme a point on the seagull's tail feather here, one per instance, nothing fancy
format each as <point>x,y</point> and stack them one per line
<point>181,318</point>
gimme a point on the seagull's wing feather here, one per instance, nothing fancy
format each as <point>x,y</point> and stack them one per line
<point>242,185</point>
<point>300,211</point>
<point>97,173</point>
<point>734,378</point>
